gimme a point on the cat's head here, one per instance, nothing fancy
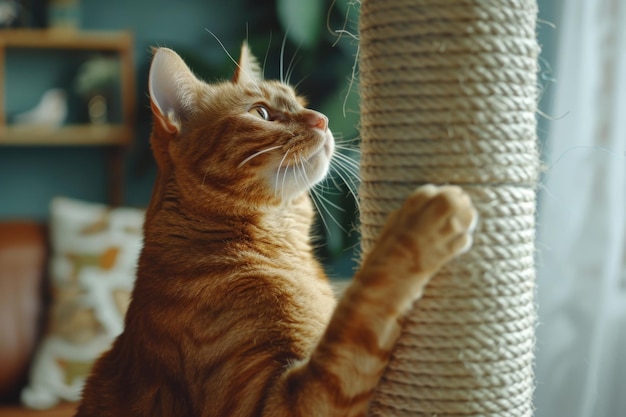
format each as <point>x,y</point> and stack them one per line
<point>247,137</point>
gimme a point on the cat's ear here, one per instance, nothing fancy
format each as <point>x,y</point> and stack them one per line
<point>171,85</point>
<point>248,69</point>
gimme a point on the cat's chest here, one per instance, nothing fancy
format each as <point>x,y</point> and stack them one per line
<point>305,309</point>
<point>317,298</point>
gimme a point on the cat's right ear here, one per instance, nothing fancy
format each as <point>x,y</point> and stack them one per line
<point>171,85</point>
<point>248,70</point>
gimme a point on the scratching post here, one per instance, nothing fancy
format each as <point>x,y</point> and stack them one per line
<point>449,95</point>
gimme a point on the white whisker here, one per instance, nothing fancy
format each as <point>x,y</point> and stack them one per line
<point>302,172</point>
<point>347,147</point>
<point>330,203</point>
<point>347,167</point>
<point>348,171</point>
<point>278,174</point>
<point>206,172</point>
<point>341,32</point>
<point>324,211</point>
<point>334,180</point>
<point>347,161</point>
<point>282,188</point>
<point>321,214</point>
<point>282,57</point>
<point>306,178</point>
<point>224,48</point>
<point>257,154</point>
<point>267,52</point>
<point>226,51</point>
<point>300,82</point>
<point>325,186</point>
<point>352,79</point>
<point>348,176</point>
<point>320,205</point>
<point>292,66</point>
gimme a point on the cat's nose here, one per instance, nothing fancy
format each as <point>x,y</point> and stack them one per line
<point>316,119</point>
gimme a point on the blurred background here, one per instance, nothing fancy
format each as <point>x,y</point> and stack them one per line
<point>581,228</point>
<point>581,245</point>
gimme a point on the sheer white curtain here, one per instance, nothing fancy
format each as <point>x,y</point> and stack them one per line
<point>581,348</point>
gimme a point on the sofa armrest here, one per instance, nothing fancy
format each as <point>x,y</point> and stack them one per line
<point>22,266</point>
<point>61,410</point>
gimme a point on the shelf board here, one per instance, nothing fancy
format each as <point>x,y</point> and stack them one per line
<point>82,135</point>
<point>64,38</point>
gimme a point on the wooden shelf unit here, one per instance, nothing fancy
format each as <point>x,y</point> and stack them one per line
<point>117,136</point>
<point>75,135</point>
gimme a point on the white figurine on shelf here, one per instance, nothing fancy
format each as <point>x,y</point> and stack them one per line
<point>9,13</point>
<point>50,111</point>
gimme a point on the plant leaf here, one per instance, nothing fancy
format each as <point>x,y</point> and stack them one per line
<point>302,20</point>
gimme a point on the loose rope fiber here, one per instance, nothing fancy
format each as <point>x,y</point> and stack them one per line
<point>449,95</point>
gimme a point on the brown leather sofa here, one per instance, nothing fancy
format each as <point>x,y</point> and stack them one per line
<point>23,263</point>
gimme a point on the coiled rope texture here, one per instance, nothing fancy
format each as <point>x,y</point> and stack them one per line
<point>449,96</point>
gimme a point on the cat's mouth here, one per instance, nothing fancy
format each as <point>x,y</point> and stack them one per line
<point>329,146</point>
<point>304,166</point>
<point>324,148</point>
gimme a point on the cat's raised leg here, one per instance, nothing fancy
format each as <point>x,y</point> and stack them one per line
<point>433,226</point>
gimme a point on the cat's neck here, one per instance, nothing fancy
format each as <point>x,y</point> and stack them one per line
<point>175,225</point>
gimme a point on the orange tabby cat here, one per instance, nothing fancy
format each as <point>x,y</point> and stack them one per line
<point>231,315</point>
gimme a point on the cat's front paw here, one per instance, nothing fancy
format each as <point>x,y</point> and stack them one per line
<point>434,225</point>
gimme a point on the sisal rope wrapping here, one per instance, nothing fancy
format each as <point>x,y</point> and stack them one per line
<point>449,96</point>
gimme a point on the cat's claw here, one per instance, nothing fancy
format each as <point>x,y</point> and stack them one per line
<point>442,220</point>
<point>434,225</point>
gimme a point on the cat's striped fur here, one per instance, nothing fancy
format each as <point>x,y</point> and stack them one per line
<point>231,315</point>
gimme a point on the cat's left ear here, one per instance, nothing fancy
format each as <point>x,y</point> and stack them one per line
<point>248,69</point>
<point>172,89</point>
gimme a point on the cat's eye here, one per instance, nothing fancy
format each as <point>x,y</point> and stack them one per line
<point>261,111</point>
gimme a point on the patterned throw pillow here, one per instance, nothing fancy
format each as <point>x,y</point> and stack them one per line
<point>94,251</point>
